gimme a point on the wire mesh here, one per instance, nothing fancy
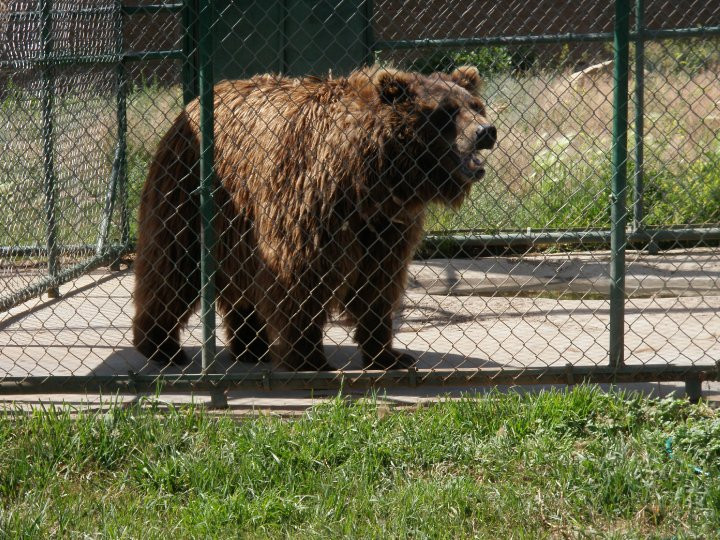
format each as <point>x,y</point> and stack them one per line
<point>392,193</point>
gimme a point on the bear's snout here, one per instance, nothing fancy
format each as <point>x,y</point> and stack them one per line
<point>485,137</point>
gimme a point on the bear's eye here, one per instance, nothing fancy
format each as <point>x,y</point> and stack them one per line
<point>446,111</point>
<point>477,107</point>
<point>444,115</point>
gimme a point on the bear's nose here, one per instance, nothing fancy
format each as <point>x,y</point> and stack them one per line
<point>486,137</point>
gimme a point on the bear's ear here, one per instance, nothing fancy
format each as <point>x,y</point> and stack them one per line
<point>393,86</point>
<point>468,77</point>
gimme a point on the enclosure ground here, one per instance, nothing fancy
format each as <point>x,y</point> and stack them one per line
<point>488,313</point>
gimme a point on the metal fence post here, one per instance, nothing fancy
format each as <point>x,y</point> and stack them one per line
<point>207,174</point>
<point>618,212</point>
<point>118,177</point>
<point>639,113</point>
<point>639,177</point>
<point>48,103</point>
<point>122,132</point>
<point>189,50</point>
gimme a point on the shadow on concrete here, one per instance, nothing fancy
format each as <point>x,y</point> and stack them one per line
<point>127,359</point>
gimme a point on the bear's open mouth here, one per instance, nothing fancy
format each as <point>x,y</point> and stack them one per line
<point>473,166</point>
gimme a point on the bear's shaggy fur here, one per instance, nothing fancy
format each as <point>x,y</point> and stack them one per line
<point>322,188</point>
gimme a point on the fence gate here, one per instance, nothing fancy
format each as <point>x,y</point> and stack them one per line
<point>587,251</point>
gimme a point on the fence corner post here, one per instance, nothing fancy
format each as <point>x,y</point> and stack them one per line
<point>48,105</point>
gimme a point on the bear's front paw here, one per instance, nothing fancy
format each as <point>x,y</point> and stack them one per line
<point>165,354</point>
<point>310,363</point>
<point>389,359</point>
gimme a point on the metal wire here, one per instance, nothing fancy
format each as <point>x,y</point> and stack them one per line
<point>133,188</point>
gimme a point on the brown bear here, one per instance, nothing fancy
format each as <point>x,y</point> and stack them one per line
<point>322,188</point>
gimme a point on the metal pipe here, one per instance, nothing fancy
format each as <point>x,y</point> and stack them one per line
<point>369,32</point>
<point>569,37</point>
<point>170,54</point>
<point>207,177</point>
<point>618,212</point>
<point>639,114</point>
<point>109,204</point>
<point>541,238</point>
<point>48,102</point>
<point>67,60</point>
<point>399,44</point>
<point>189,51</point>
<point>304,380</point>
<point>40,251</point>
<point>118,176</point>
<point>153,8</point>
<point>121,103</point>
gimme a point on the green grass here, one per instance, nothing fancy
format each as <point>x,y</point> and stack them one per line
<point>501,466</point>
<point>569,189</point>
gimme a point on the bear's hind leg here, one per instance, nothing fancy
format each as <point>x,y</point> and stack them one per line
<point>157,323</point>
<point>167,288</point>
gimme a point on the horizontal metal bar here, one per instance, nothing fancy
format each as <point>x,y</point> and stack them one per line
<point>359,379</point>
<point>104,10</point>
<point>169,54</point>
<point>58,60</point>
<point>66,275</point>
<point>574,237</point>
<point>700,31</point>
<point>133,56</point>
<point>39,251</point>
<point>152,8</point>
<point>30,14</point>
<point>569,37</point>
<point>396,44</point>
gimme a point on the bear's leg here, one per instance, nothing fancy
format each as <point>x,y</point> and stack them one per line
<point>247,337</point>
<point>167,288</point>
<point>299,326</point>
<point>305,349</point>
<point>157,323</point>
<point>374,332</point>
<point>378,288</point>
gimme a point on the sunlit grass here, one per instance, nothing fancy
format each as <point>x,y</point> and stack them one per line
<point>555,464</point>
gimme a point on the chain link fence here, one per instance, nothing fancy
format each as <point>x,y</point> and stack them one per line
<point>380,193</point>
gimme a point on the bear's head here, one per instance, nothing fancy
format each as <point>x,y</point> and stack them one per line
<point>439,133</point>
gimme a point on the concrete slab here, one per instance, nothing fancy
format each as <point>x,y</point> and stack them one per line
<point>499,312</point>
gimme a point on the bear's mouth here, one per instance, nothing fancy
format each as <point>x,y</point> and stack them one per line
<point>473,166</point>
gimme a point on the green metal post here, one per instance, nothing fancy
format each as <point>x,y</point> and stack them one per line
<point>282,61</point>
<point>639,113</point>
<point>638,202</point>
<point>122,132</point>
<point>369,33</point>
<point>618,212</point>
<point>48,103</point>
<point>207,173</point>
<point>118,178</point>
<point>189,48</point>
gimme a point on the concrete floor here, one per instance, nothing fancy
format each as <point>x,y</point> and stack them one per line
<point>499,312</point>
